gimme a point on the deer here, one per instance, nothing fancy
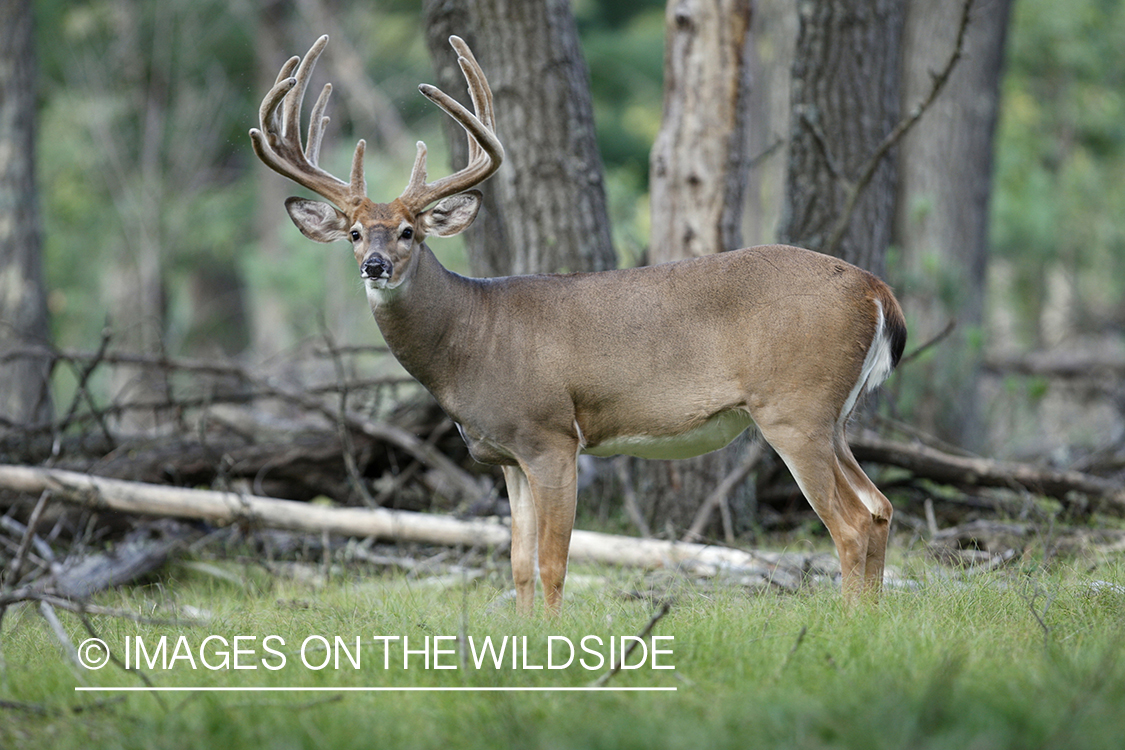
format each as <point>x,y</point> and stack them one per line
<point>664,361</point>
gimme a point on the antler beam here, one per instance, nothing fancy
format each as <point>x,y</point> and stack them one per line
<point>485,151</point>
<point>278,141</point>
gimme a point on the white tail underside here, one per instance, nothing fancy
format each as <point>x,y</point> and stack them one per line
<point>877,365</point>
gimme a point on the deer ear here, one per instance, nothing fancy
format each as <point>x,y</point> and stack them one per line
<point>452,215</point>
<point>317,221</point>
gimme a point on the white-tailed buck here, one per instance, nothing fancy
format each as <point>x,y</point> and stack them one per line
<point>666,361</point>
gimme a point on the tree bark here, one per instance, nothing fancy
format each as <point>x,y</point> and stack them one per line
<point>24,386</point>
<point>844,99</point>
<point>545,210</point>
<point>773,35</point>
<point>697,176</point>
<point>945,181</point>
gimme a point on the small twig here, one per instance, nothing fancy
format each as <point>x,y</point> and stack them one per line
<point>792,652</point>
<point>346,444</point>
<point>927,345</point>
<point>117,661</point>
<point>82,393</point>
<point>1031,599</point>
<point>15,570</point>
<point>656,617</point>
<point>931,519</point>
<point>719,495</point>
<point>632,508</point>
<point>766,153</point>
<point>41,547</point>
<point>822,144</point>
<point>48,613</point>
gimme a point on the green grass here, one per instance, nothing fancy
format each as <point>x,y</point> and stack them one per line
<point>950,665</point>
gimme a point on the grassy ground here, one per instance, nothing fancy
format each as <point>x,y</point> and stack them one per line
<point>1019,659</point>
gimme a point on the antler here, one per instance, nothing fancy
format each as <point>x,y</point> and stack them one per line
<point>485,151</point>
<point>278,142</point>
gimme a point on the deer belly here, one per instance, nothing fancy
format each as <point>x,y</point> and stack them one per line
<point>713,434</point>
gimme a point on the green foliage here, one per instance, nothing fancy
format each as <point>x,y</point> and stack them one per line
<point>1029,659</point>
<point>1060,179</point>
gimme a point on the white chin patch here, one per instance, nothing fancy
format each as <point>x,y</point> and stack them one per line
<point>377,282</point>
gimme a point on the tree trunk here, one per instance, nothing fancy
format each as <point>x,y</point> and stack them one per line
<point>773,35</point>
<point>24,392</point>
<point>698,167</point>
<point>844,100</point>
<point>545,210</point>
<point>945,180</point>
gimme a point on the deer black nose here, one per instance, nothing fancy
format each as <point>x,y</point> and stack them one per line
<point>376,267</point>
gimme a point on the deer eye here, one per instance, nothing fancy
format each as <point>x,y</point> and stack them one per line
<point>355,236</point>
<point>407,233</point>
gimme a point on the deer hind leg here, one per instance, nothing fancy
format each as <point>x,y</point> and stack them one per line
<point>881,512</point>
<point>814,463</point>
<point>553,481</point>
<point>525,528</point>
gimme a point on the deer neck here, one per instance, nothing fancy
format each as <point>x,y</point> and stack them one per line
<point>425,320</point>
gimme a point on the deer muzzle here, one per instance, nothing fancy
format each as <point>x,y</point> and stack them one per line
<point>375,267</point>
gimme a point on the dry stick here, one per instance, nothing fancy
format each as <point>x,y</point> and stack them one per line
<point>41,547</point>
<point>632,509</point>
<point>719,494</point>
<point>926,345</point>
<point>16,570</point>
<point>227,507</point>
<point>48,613</point>
<point>399,480</point>
<point>346,444</point>
<point>924,461</point>
<point>407,441</point>
<point>854,190</point>
<point>82,392</point>
<point>30,594</point>
<point>114,658</point>
<point>656,617</point>
<point>84,363</point>
<point>793,651</point>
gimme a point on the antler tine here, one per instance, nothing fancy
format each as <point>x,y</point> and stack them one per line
<point>485,151</point>
<point>479,91</point>
<point>278,142</point>
<point>317,122</point>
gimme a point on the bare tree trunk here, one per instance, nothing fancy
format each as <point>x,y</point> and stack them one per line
<point>545,210</point>
<point>773,36</point>
<point>945,181</point>
<point>844,99</point>
<point>697,176</point>
<point>24,393</point>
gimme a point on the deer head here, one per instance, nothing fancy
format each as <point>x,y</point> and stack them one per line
<point>384,236</point>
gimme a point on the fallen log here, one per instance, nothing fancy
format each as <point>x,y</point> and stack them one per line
<point>1105,495</point>
<point>783,569</point>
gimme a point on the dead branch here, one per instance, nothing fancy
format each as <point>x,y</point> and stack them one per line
<point>1061,365</point>
<point>657,616</point>
<point>1105,495</point>
<point>783,570</point>
<point>719,495</point>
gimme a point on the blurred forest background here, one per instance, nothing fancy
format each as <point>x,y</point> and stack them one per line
<point>162,234</point>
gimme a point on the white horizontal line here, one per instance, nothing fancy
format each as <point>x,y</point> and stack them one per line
<point>373,689</point>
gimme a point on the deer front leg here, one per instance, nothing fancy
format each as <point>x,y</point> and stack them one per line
<point>524,535</point>
<point>554,488</point>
